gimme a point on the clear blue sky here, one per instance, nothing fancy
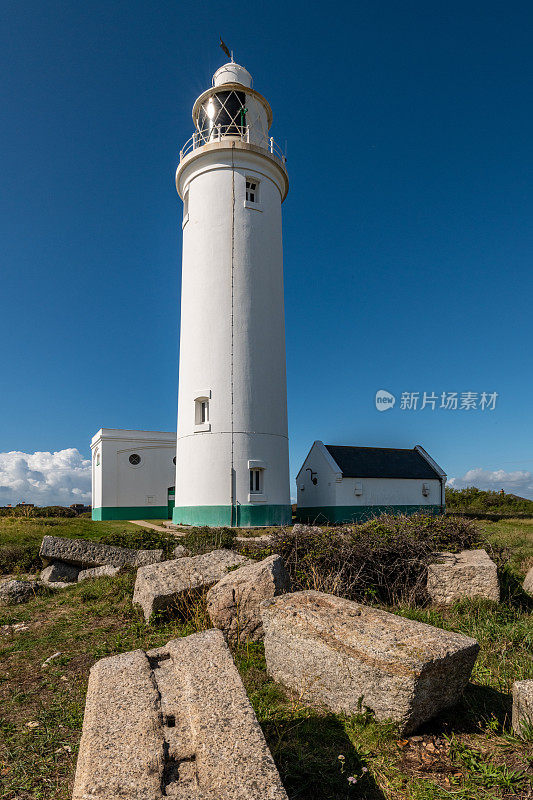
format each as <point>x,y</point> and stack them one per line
<point>408,236</point>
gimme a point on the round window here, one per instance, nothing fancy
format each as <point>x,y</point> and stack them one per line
<point>134,459</point>
<point>174,460</point>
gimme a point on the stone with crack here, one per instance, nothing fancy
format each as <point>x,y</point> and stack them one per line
<point>173,722</point>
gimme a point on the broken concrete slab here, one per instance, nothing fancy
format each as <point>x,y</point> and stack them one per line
<point>122,745</point>
<point>85,554</point>
<point>528,582</point>
<point>60,571</point>
<point>348,656</point>
<point>233,602</point>
<point>159,585</point>
<point>455,576</point>
<point>107,571</point>
<point>173,722</point>
<point>13,592</point>
<point>522,717</point>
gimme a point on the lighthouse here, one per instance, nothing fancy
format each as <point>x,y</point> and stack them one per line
<point>232,459</point>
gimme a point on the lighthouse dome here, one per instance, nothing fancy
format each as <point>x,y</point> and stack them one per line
<point>232,73</point>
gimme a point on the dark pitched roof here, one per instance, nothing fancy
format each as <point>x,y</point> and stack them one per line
<point>380,462</point>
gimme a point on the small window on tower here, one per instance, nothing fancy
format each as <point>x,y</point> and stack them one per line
<point>256,481</point>
<point>252,190</point>
<point>185,209</point>
<point>201,411</point>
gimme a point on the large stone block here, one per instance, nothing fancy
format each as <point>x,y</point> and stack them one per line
<point>347,656</point>
<point>159,585</point>
<point>528,582</point>
<point>60,571</point>
<point>455,576</point>
<point>173,722</point>
<point>233,602</point>
<point>85,554</point>
<point>522,706</point>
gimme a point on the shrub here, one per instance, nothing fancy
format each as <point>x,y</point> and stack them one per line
<point>202,540</point>
<point>479,501</point>
<point>143,539</point>
<point>384,559</point>
<point>52,511</point>
<point>19,558</point>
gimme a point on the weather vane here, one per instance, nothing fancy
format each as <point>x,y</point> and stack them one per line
<point>225,48</point>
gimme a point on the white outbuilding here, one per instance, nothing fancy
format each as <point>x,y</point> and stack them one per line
<point>339,483</point>
<point>132,474</point>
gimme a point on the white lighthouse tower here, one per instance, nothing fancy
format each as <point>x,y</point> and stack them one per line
<point>232,462</point>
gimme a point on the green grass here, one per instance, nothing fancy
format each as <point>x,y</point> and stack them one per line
<point>517,536</point>
<point>467,753</point>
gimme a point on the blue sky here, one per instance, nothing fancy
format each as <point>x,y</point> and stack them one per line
<point>407,230</point>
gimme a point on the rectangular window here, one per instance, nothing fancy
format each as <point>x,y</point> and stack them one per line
<point>256,481</point>
<point>252,193</point>
<point>201,408</point>
<point>185,209</point>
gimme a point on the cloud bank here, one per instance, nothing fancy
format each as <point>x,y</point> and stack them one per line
<point>520,482</point>
<point>45,479</point>
<point>64,477</point>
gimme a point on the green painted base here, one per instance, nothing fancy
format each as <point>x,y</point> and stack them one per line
<point>252,516</point>
<point>129,512</point>
<point>335,514</point>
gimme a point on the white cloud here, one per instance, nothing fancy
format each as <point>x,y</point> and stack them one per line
<point>519,482</point>
<point>45,479</point>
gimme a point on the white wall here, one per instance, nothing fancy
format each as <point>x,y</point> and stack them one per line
<point>324,493</point>
<point>116,483</point>
<point>215,182</point>
<point>388,491</point>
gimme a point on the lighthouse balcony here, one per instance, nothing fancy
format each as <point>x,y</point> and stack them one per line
<point>226,133</point>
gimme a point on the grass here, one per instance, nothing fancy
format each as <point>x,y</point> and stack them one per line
<point>468,753</point>
<point>517,536</point>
